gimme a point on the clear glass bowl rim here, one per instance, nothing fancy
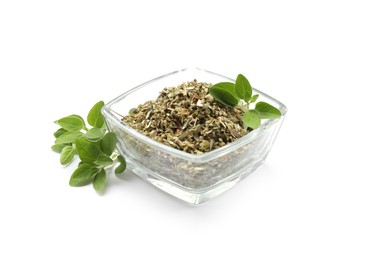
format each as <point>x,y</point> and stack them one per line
<point>196,158</point>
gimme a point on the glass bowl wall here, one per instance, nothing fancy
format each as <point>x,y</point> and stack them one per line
<point>192,178</point>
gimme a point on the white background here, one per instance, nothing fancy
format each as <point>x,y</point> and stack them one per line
<point>324,191</point>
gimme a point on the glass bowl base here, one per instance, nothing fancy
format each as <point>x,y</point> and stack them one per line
<point>192,196</point>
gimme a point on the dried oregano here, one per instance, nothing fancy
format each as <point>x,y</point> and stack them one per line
<point>188,118</point>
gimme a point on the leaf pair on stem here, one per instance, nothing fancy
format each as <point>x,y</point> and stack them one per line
<point>239,94</point>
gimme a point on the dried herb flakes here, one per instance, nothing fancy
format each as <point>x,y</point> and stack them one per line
<point>188,118</point>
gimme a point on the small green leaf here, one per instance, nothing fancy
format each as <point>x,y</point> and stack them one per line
<point>69,137</point>
<point>84,126</point>
<point>67,155</point>
<point>94,134</point>
<point>252,119</point>
<point>267,111</point>
<point>122,165</point>
<point>83,175</point>
<point>72,123</point>
<point>254,98</point>
<point>104,160</point>
<point>59,132</point>
<point>81,163</point>
<point>243,88</point>
<point>224,92</point>
<point>99,182</point>
<point>95,117</point>
<point>108,143</point>
<point>57,148</point>
<point>87,151</point>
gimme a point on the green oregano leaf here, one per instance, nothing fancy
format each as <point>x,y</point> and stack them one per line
<point>59,132</point>
<point>84,126</point>
<point>231,94</point>
<point>254,98</point>
<point>94,134</point>
<point>95,117</point>
<point>67,155</point>
<point>99,182</point>
<point>122,165</point>
<point>224,92</point>
<point>87,151</point>
<point>81,163</point>
<point>68,137</point>
<point>94,147</point>
<point>252,119</point>
<point>243,88</point>
<point>267,111</point>
<point>57,148</point>
<point>108,143</point>
<point>83,175</point>
<point>104,160</point>
<point>72,123</point>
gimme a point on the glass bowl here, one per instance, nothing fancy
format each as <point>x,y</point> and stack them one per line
<point>192,178</point>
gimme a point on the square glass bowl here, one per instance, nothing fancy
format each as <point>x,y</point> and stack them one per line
<point>192,178</point>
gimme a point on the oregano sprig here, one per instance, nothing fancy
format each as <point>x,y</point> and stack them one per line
<point>239,94</point>
<point>95,147</point>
